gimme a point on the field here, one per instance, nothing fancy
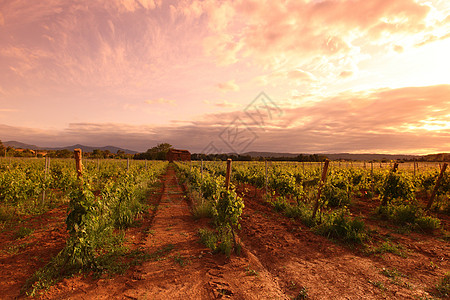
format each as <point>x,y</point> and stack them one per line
<point>153,230</point>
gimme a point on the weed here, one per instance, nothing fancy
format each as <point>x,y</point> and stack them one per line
<point>340,225</point>
<point>409,215</point>
<point>251,272</point>
<point>182,261</point>
<point>443,287</point>
<point>378,284</point>
<point>23,232</point>
<point>203,210</point>
<point>303,294</point>
<point>6,213</point>
<point>208,238</point>
<point>391,273</point>
<point>388,247</point>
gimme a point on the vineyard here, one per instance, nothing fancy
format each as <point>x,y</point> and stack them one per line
<point>244,230</point>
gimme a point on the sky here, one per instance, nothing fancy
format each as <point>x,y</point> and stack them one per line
<point>298,76</point>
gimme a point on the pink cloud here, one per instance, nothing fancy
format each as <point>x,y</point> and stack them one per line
<point>346,74</point>
<point>389,120</point>
<point>274,31</point>
<point>398,48</point>
<point>228,86</point>
<point>161,101</point>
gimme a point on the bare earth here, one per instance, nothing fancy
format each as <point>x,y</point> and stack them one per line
<point>281,259</point>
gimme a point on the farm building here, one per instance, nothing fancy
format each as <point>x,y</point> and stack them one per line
<point>175,154</point>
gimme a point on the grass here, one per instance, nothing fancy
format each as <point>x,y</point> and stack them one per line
<point>408,216</point>
<point>116,261</point>
<point>378,284</point>
<point>208,238</point>
<point>203,210</point>
<point>23,232</point>
<point>251,272</point>
<point>443,287</point>
<point>182,261</point>
<point>339,224</point>
<point>302,294</point>
<point>388,247</point>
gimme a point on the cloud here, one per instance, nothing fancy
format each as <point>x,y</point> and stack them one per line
<point>346,74</point>
<point>2,19</point>
<point>223,104</point>
<point>398,48</point>
<point>273,34</point>
<point>433,38</point>
<point>133,5</point>
<point>405,120</point>
<point>301,75</point>
<point>228,86</point>
<point>160,101</point>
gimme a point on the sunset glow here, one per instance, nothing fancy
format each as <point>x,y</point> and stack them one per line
<point>358,76</point>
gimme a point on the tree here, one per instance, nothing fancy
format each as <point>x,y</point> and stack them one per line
<point>156,153</point>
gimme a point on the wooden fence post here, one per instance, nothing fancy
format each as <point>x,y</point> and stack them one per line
<point>228,175</point>
<point>78,163</point>
<point>321,183</point>
<point>45,179</point>
<point>266,175</point>
<point>371,177</point>
<point>438,182</point>
<point>395,168</point>
<point>128,163</point>
<point>201,173</point>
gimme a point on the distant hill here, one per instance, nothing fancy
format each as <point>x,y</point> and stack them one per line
<point>373,156</point>
<point>84,148</point>
<point>337,156</point>
<point>269,154</point>
<point>18,145</point>
<point>437,157</point>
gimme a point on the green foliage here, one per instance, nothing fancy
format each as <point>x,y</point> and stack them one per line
<point>335,196</point>
<point>397,186</point>
<point>107,198</point>
<point>208,238</point>
<point>203,210</point>
<point>409,214</point>
<point>227,213</point>
<point>443,287</point>
<point>388,247</point>
<point>23,232</point>
<point>303,294</point>
<point>339,224</point>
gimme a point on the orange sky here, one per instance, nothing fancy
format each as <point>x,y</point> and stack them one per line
<point>337,75</point>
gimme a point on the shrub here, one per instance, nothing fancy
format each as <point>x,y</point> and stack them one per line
<point>208,238</point>
<point>335,196</point>
<point>427,223</point>
<point>203,210</point>
<point>397,186</point>
<point>408,214</point>
<point>340,225</point>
